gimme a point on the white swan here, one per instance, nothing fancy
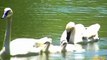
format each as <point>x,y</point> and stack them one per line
<point>21,45</point>
<point>73,33</point>
<point>71,47</point>
<point>64,47</point>
<point>67,32</point>
<point>49,48</point>
<point>27,45</point>
<point>91,32</point>
<point>67,47</point>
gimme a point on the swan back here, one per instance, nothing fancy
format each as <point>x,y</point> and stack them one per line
<point>78,33</point>
<point>92,31</point>
<point>24,46</point>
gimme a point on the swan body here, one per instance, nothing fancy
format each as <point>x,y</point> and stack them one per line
<point>19,46</point>
<point>67,47</point>
<point>78,33</point>
<point>73,33</point>
<point>91,32</point>
<point>24,46</point>
<point>49,48</point>
<point>71,47</point>
<point>27,45</point>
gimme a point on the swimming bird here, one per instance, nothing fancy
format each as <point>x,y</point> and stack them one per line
<point>50,48</point>
<point>64,47</point>
<point>71,47</point>
<point>67,47</point>
<point>19,46</point>
<point>91,33</point>
<point>67,32</point>
<point>73,33</point>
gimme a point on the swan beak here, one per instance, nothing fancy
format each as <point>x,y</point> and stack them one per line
<point>5,14</point>
<point>3,17</point>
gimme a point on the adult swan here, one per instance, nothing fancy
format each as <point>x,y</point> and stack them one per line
<point>20,46</point>
<point>73,33</point>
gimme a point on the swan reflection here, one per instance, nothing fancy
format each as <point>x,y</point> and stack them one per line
<point>91,46</point>
<point>25,58</point>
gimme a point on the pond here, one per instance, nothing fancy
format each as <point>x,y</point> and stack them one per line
<point>40,18</point>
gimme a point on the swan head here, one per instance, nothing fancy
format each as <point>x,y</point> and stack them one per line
<point>7,13</point>
<point>69,29</point>
<point>46,46</point>
<point>47,43</point>
<point>70,26</point>
<point>64,44</point>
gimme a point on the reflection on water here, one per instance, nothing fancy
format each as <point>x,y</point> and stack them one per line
<point>91,47</point>
<point>26,58</point>
<point>92,51</point>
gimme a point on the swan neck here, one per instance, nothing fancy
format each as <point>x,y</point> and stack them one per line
<point>68,36</point>
<point>64,48</point>
<point>7,37</point>
<point>47,47</point>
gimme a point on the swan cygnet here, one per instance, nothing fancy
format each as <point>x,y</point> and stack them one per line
<point>71,47</point>
<point>91,33</point>
<point>64,47</point>
<point>19,46</point>
<point>50,48</point>
<point>67,47</point>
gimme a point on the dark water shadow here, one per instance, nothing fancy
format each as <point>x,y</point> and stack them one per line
<point>9,57</point>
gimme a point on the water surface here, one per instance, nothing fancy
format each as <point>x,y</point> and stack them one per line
<point>39,18</point>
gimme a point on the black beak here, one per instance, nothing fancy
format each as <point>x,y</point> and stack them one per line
<point>3,17</point>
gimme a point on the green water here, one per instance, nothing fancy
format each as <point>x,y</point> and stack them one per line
<point>39,18</point>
